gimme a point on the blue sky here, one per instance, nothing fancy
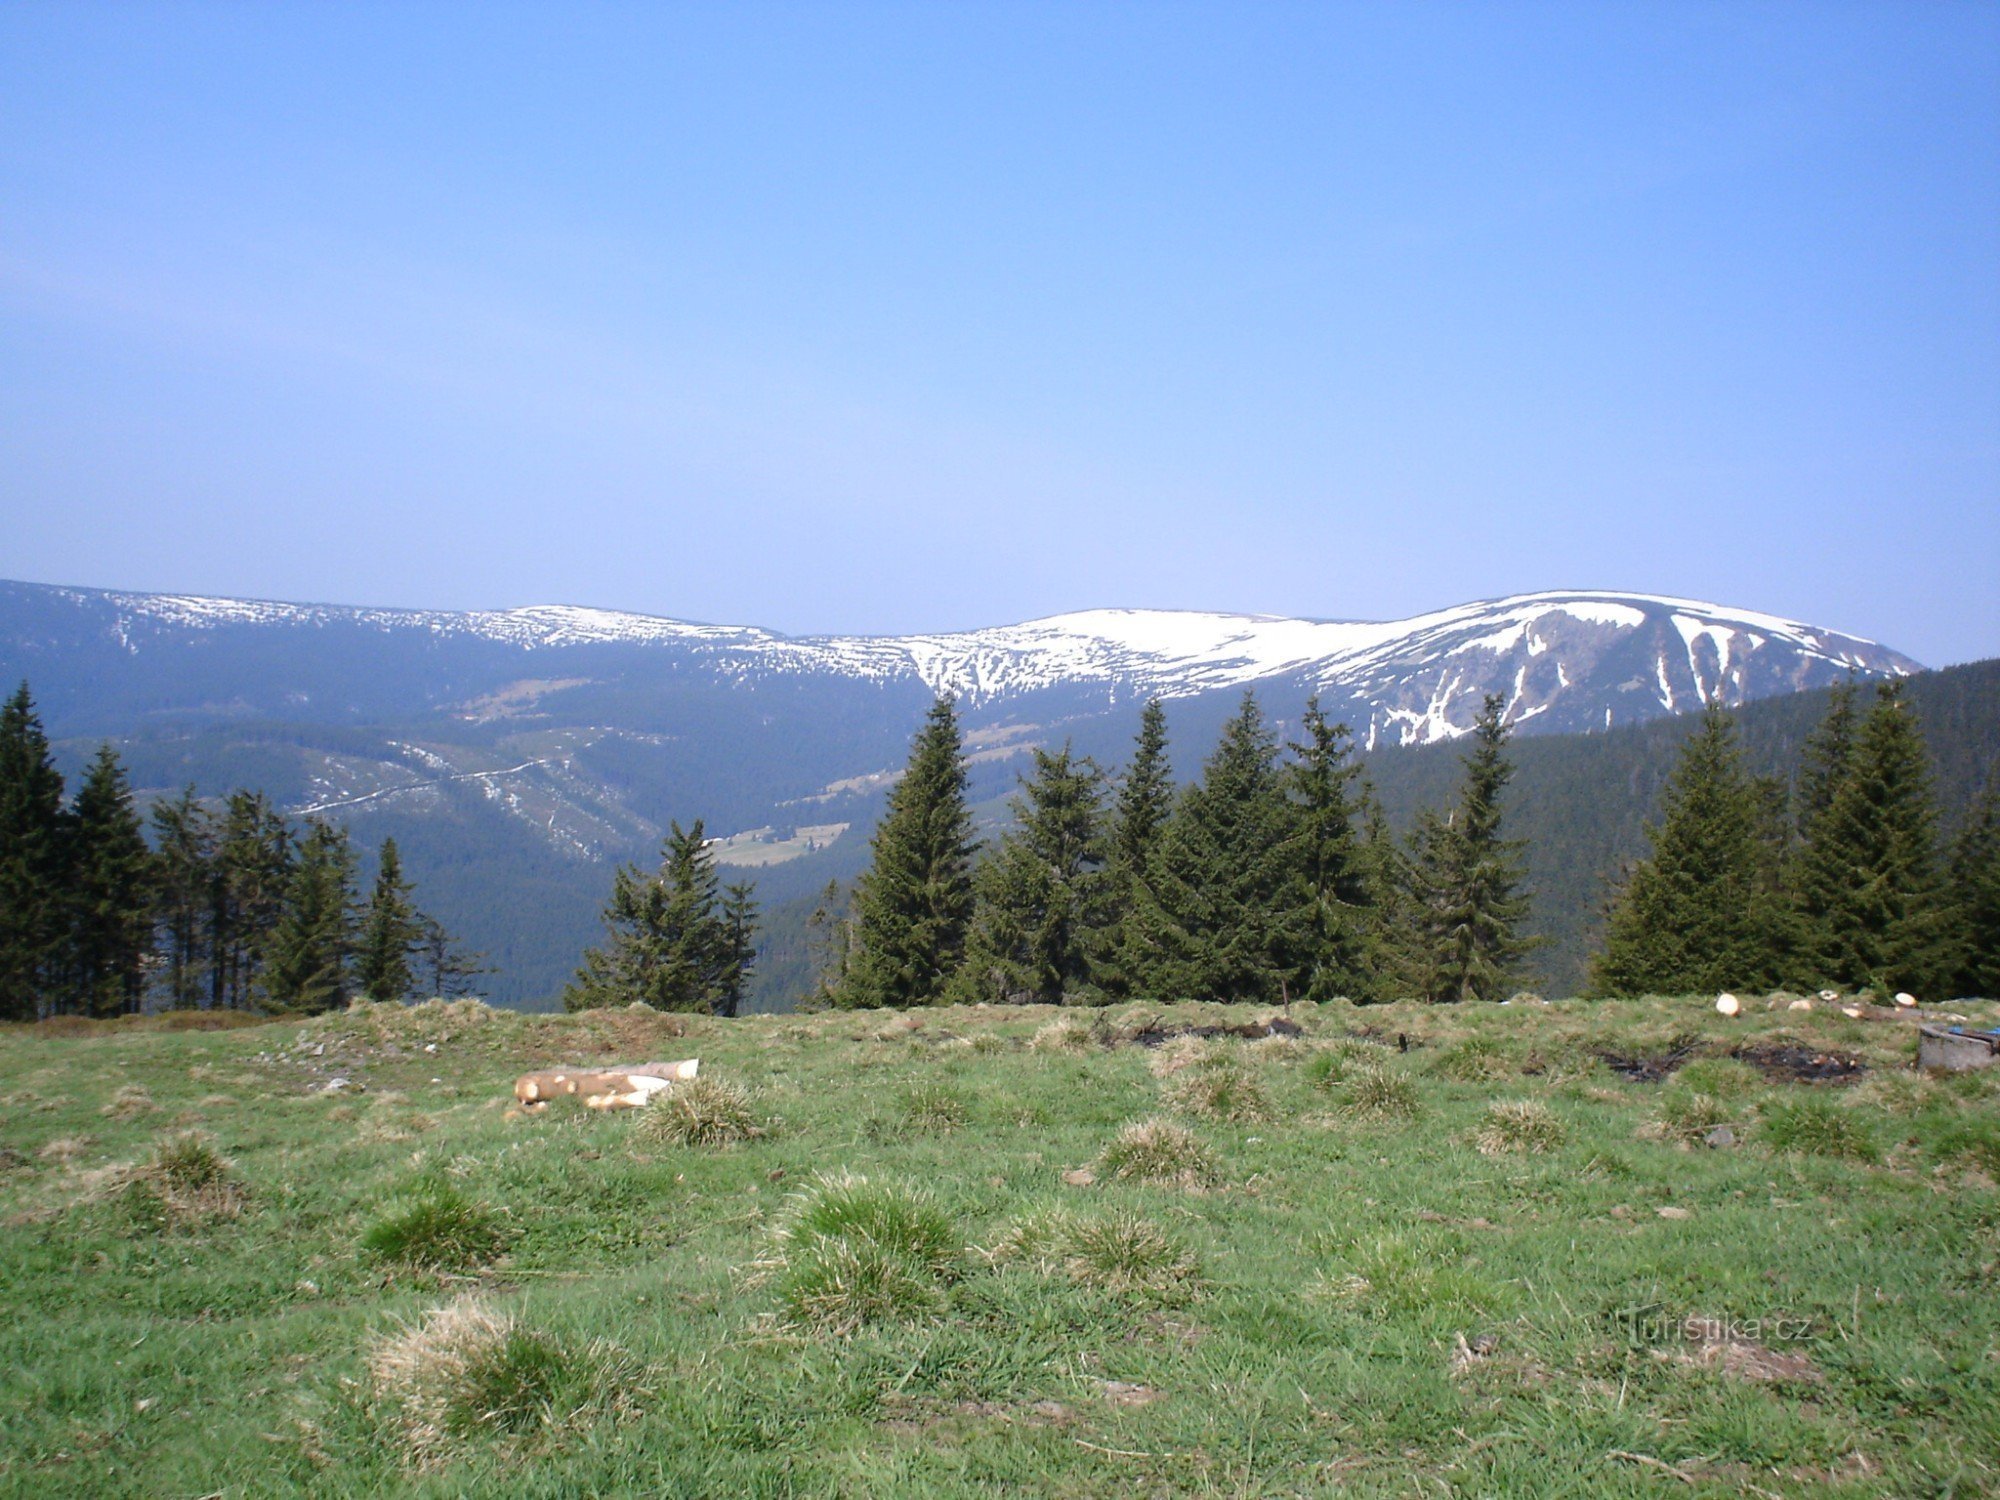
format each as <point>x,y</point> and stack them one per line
<point>880,318</point>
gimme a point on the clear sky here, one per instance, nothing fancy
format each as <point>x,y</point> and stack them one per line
<point>855,317</point>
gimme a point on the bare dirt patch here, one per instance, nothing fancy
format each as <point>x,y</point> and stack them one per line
<point>1792,1063</point>
<point>1654,1067</point>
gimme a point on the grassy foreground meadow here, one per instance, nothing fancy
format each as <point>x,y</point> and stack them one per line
<point>1588,1248</point>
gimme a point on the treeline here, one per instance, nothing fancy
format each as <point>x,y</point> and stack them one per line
<point>1274,877</point>
<point>1843,882</point>
<point>234,907</point>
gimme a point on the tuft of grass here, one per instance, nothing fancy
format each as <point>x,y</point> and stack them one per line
<point>1375,1093</point>
<point>1815,1126</point>
<point>187,1163</point>
<point>466,1371</point>
<point>130,1101</point>
<point>1128,1255</point>
<point>1160,1151</point>
<point>1220,1088</point>
<point>1721,1077</point>
<point>1526,1125</point>
<point>850,1253</point>
<point>1474,1060</point>
<point>1039,1239</point>
<point>700,1112</point>
<point>988,1043</point>
<point>439,1229</point>
<point>1279,1048</point>
<point>1688,1115</point>
<point>1329,1066</point>
<point>932,1109</point>
<point>185,1183</point>
<point>1179,1054</point>
<point>1064,1034</point>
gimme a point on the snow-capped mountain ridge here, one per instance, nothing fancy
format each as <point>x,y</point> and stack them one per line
<point>1420,678</point>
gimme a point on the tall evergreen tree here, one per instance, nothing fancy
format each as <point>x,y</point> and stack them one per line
<point>1700,913</point>
<point>1466,879</point>
<point>914,904</point>
<point>391,932</point>
<point>251,871</point>
<point>1398,966</point>
<point>1870,897</point>
<point>1042,896</point>
<point>739,921</point>
<point>184,889</point>
<point>32,872</point>
<point>1330,870</point>
<point>109,893</point>
<point>669,944</point>
<point>308,957</point>
<point>1975,887</point>
<point>1824,762</point>
<point>1138,820</point>
<point>1213,920</point>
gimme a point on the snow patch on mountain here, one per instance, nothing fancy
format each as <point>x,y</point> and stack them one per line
<point>1417,680</point>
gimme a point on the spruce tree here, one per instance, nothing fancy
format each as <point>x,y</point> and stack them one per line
<point>1330,872</point>
<point>1699,912</point>
<point>1213,919</point>
<point>32,860</point>
<point>1824,762</point>
<point>1975,889</point>
<point>184,892</point>
<point>1041,898</point>
<point>668,941</point>
<point>1392,917</point>
<point>252,870</point>
<point>308,956</point>
<point>391,933</point>
<point>739,922</point>
<point>1872,903</point>
<point>110,894</point>
<point>1466,879</point>
<point>914,904</point>
<point>1138,820</point>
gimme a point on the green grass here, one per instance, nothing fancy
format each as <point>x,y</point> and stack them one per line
<point>1219,1088</point>
<point>1377,1093</point>
<point>1525,1125</point>
<point>437,1229</point>
<point>898,1279</point>
<point>699,1112</point>
<point>1161,1152</point>
<point>851,1252</point>
<point>1817,1126</point>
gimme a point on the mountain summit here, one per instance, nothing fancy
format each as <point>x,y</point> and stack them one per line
<point>1564,660</point>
